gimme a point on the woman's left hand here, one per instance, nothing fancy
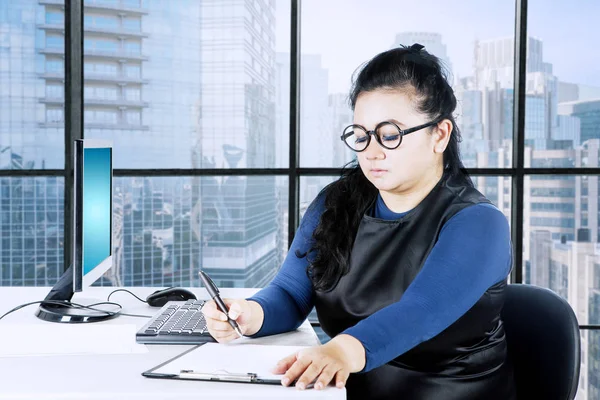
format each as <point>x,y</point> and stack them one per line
<point>322,364</point>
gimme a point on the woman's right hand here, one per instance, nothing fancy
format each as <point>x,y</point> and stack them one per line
<point>240,310</point>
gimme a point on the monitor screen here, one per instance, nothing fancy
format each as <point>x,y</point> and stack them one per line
<point>97,192</point>
<point>92,246</point>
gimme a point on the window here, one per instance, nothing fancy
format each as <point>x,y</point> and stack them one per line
<point>133,93</point>
<point>55,91</point>
<point>100,21</point>
<point>133,117</point>
<point>55,42</point>
<point>101,68</point>
<point>563,109</point>
<point>104,45</point>
<point>133,71</point>
<point>100,116</point>
<point>483,84</point>
<point>567,92</point>
<point>207,106</point>
<point>132,47</point>
<point>132,24</point>
<point>55,17</point>
<point>45,231</point>
<point>54,115</point>
<point>54,66</point>
<point>100,92</point>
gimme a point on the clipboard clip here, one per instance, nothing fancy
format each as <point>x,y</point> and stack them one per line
<point>220,375</point>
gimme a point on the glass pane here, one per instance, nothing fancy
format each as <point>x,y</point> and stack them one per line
<point>31,85</point>
<point>166,229</point>
<point>497,189</point>
<point>479,57</point>
<point>310,186</point>
<point>563,93</point>
<point>560,239</point>
<point>204,93</point>
<point>590,367</point>
<point>560,247</point>
<point>31,231</point>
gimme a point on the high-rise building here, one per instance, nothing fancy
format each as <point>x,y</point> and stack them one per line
<point>588,114</point>
<point>560,216</point>
<point>433,44</point>
<point>237,128</point>
<point>571,269</point>
<point>315,136</point>
<point>573,92</point>
<point>340,116</point>
<point>495,60</point>
<point>31,136</point>
<point>172,85</point>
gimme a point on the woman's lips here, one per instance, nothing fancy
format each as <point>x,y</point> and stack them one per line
<point>378,172</point>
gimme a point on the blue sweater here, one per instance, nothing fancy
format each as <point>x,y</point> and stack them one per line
<point>473,252</point>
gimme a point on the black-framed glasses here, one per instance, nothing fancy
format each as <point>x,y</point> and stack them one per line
<point>387,133</point>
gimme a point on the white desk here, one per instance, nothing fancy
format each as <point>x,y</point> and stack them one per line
<point>119,376</point>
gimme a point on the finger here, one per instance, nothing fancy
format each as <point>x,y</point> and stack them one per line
<point>310,374</point>
<point>326,376</point>
<point>284,364</point>
<point>295,371</point>
<point>210,310</point>
<point>220,326</point>
<point>341,377</point>
<point>235,310</point>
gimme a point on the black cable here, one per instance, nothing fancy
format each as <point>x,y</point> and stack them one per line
<point>125,290</point>
<point>66,304</point>
<point>70,304</point>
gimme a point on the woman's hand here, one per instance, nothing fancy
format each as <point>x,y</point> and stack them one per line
<point>249,316</point>
<point>334,360</point>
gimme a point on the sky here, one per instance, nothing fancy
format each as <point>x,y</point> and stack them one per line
<point>347,33</point>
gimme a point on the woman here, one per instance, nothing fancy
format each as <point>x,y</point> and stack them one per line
<point>404,260</point>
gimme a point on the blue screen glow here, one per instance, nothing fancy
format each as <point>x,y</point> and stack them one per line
<point>96,206</point>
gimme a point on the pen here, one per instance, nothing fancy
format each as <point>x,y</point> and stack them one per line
<point>213,291</point>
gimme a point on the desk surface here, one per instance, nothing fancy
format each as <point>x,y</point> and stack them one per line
<point>119,376</point>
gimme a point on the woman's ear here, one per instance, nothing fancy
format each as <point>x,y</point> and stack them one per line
<point>441,135</point>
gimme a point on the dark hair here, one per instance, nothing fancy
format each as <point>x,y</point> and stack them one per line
<point>347,199</point>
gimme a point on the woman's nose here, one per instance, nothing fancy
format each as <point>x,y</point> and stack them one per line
<point>374,151</point>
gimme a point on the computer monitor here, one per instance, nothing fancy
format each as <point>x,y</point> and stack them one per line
<point>92,235</point>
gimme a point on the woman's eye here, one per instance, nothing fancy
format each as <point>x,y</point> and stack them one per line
<point>390,138</point>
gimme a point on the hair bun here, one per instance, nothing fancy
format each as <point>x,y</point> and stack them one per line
<point>416,48</point>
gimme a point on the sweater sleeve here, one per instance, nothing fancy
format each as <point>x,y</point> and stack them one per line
<point>288,299</point>
<point>473,252</point>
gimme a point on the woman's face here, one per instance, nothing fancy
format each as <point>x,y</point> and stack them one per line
<point>418,157</point>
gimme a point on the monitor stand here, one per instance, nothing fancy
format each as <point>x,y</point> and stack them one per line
<point>62,291</point>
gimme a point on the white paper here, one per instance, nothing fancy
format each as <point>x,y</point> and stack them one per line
<point>233,358</point>
<point>18,340</point>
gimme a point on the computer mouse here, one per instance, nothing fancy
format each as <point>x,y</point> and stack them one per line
<point>160,297</point>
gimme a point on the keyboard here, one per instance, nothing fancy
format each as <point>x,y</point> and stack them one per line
<point>177,322</point>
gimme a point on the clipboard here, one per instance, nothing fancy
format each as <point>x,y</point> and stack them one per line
<point>234,363</point>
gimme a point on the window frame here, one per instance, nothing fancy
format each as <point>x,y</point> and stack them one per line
<point>73,116</point>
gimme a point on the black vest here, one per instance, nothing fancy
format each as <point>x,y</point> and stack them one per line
<point>465,361</point>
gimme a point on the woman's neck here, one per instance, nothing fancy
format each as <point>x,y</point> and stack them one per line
<point>406,200</point>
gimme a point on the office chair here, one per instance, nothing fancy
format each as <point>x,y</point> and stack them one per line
<point>542,335</point>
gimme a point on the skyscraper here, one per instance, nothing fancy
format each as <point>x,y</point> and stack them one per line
<point>236,129</point>
<point>172,85</point>
<point>588,114</point>
<point>433,44</point>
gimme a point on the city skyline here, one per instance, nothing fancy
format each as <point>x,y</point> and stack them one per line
<point>213,92</point>
<point>343,50</point>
